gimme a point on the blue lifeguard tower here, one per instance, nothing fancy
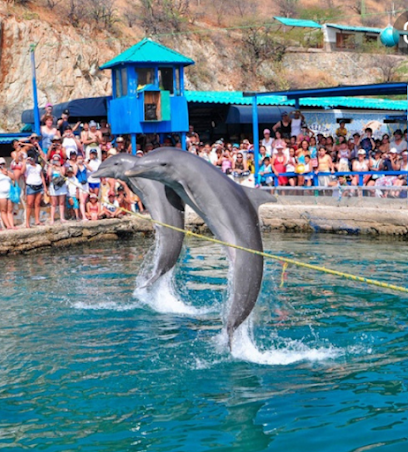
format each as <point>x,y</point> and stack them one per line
<point>148,91</point>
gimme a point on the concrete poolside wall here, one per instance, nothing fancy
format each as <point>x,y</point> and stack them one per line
<point>364,216</point>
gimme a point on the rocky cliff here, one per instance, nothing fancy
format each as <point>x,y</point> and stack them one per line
<point>68,60</point>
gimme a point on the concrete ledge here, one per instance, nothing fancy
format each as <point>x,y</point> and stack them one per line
<point>375,217</point>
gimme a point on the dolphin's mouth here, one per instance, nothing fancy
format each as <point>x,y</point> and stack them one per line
<point>133,172</point>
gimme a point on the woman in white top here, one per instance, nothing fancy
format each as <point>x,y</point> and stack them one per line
<point>70,143</point>
<point>35,186</point>
<point>6,206</point>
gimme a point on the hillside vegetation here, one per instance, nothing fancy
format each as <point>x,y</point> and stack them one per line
<point>236,45</point>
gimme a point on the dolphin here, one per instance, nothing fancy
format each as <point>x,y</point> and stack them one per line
<point>230,211</point>
<point>152,194</point>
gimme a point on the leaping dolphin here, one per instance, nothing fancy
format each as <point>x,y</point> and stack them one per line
<point>229,210</point>
<point>152,194</point>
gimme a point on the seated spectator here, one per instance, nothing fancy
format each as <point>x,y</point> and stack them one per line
<point>122,201</point>
<point>279,141</point>
<point>73,192</point>
<point>329,145</point>
<point>341,183</point>
<point>293,143</point>
<point>265,172</point>
<point>278,164</point>
<point>385,143</point>
<point>239,166</point>
<point>343,157</point>
<point>342,131</point>
<point>398,142</point>
<point>366,142</point>
<point>375,164</point>
<point>109,208</point>
<point>308,169</point>
<point>291,164</point>
<point>361,164</point>
<point>313,153</point>
<point>48,132</point>
<point>263,154</point>
<point>250,162</point>
<point>226,162</point>
<point>6,206</point>
<point>93,208</point>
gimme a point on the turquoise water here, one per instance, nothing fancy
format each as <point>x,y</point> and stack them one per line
<point>86,365</point>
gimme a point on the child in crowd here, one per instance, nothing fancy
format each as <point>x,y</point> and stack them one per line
<point>93,208</point>
<point>73,195</point>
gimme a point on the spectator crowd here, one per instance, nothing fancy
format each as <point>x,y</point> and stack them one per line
<point>58,173</point>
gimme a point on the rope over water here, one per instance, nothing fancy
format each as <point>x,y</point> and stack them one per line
<point>286,260</point>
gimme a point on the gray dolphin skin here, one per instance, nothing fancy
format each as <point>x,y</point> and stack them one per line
<point>152,193</point>
<point>228,211</point>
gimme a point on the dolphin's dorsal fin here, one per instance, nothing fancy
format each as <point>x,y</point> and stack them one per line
<point>258,197</point>
<point>174,199</point>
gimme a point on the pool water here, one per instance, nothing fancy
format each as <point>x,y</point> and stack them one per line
<point>88,363</point>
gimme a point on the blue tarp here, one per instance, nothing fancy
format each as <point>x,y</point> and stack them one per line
<point>242,114</point>
<point>88,108</point>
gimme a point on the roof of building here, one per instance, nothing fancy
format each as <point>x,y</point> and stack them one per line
<point>356,29</point>
<point>148,51</point>
<point>297,22</point>
<point>237,98</point>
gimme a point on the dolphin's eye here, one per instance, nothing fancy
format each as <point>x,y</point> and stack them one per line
<point>163,164</point>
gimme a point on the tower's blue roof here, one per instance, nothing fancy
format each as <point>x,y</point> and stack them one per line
<point>148,51</point>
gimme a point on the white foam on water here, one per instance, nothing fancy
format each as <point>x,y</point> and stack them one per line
<point>288,352</point>
<point>108,305</point>
<point>162,297</point>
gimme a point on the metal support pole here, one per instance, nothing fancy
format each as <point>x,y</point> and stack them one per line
<point>183,141</point>
<point>255,133</point>
<point>36,111</point>
<point>133,141</point>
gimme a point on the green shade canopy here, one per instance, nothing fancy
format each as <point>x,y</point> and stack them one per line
<point>297,22</point>
<point>148,52</point>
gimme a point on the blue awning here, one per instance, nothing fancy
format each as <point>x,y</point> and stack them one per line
<point>378,89</point>
<point>288,21</point>
<point>242,114</point>
<point>88,108</point>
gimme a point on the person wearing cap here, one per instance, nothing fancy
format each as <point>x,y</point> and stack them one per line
<point>359,165</point>
<point>48,113</point>
<point>63,123</point>
<point>93,208</point>
<point>56,149</point>
<point>48,132</point>
<point>398,142</point>
<point>35,187</point>
<point>284,126</point>
<point>267,141</point>
<point>73,192</point>
<point>120,144</point>
<point>139,153</point>
<point>6,206</point>
<point>58,188</point>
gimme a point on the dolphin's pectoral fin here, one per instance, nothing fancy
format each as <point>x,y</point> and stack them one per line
<point>258,197</point>
<point>174,199</point>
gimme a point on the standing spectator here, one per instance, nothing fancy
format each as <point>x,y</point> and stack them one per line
<point>92,166</point>
<point>56,149</point>
<point>296,123</point>
<point>291,167</point>
<point>48,112</point>
<point>227,162</point>
<point>313,154</point>
<point>120,144</point>
<point>279,141</point>
<point>398,142</point>
<point>63,123</point>
<point>284,126</point>
<point>92,140</point>
<point>343,158</point>
<point>265,171</point>
<point>34,149</point>
<point>81,173</point>
<point>73,192</point>
<point>361,164</point>
<point>6,206</point>
<point>58,188</point>
<point>267,141</point>
<point>325,165</point>
<point>70,143</point>
<point>48,132</point>
<point>35,187</point>
<point>278,163</point>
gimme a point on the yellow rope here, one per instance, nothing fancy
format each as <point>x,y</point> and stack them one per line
<point>284,267</point>
<point>287,261</point>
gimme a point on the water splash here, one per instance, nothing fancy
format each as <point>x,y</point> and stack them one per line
<point>284,351</point>
<point>162,297</point>
<point>108,305</point>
